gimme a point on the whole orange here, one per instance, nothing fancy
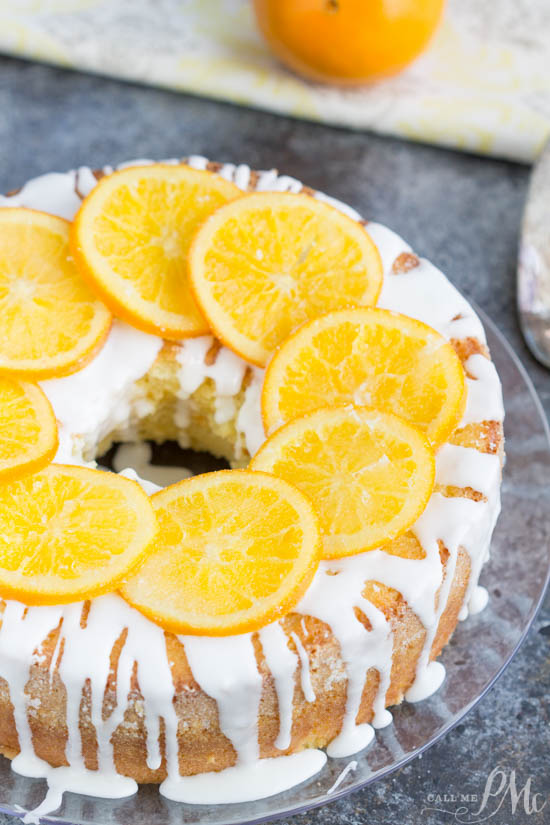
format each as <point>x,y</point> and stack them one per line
<point>347,41</point>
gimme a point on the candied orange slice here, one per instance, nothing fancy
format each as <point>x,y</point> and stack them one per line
<point>235,551</point>
<point>68,533</point>
<point>28,429</point>
<point>52,322</point>
<point>368,473</point>
<point>131,237</point>
<point>367,356</point>
<point>264,264</point>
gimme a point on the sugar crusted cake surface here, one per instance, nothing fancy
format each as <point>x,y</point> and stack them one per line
<point>95,697</point>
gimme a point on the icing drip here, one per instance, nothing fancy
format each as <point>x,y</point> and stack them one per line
<point>484,400</point>
<point>305,674</point>
<point>103,398</point>
<point>21,635</point>
<point>478,600</point>
<point>333,597</point>
<point>226,670</point>
<point>249,419</point>
<point>282,663</point>
<point>350,767</point>
<point>447,523</point>
<point>464,467</point>
<point>227,371</point>
<point>110,619</point>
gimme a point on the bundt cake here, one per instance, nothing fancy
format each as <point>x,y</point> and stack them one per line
<point>95,697</point>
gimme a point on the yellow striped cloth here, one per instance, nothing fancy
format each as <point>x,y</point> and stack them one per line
<point>482,86</point>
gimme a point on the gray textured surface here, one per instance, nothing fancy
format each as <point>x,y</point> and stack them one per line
<point>462,212</point>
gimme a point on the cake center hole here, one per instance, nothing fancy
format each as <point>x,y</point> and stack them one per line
<point>162,464</point>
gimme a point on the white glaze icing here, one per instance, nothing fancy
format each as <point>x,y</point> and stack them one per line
<point>478,601</point>
<point>282,664</point>
<point>305,673</point>
<point>249,419</point>
<point>23,632</point>
<point>350,767</point>
<point>463,467</point>
<point>54,193</point>
<point>102,398</point>
<point>266,776</point>
<point>334,599</point>
<point>226,670</point>
<point>227,371</point>
<point>424,293</point>
<point>149,486</point>
<point>484,399</point>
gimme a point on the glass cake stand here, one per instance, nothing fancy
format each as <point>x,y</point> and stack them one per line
<point>478,653</point>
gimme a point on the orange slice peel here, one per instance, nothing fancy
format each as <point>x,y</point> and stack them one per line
<point>368,473</point>
<point>263,264</point>
<point>367,356</point>
<point>69,533</point>
<point>235,551</point>
<point>131,237</point>
<point>52,322</point>
<point>28,429</point>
